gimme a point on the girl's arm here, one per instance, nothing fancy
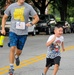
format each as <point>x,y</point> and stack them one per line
<point>51,41</point>
<point>63,49</point>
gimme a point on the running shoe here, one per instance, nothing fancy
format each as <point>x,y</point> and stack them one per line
<point>43,74</point>
<point>11,72</point>
<point>17,61</point>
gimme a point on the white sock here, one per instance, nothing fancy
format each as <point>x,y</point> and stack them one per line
<point>16,56</point>
<point>11,66</point>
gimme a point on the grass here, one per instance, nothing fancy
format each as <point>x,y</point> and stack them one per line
<point>70,20</point>
<point>57,18</point>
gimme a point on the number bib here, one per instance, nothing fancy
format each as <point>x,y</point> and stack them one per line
<point>20,25</point>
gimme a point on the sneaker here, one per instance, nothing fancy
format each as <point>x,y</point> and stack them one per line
<point>17,61</point>
<point>43,74</point>
<point>11,72</point>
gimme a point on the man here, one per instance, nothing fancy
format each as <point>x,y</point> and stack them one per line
<point>19,13</point>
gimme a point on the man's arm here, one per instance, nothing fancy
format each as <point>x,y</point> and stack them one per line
<point>3,24</point>
<point>35,20</point>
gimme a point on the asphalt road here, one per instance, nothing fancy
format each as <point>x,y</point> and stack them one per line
<point>33,57</point>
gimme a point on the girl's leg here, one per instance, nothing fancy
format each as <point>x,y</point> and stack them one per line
<point>45,70</point>
<point>56,67</point>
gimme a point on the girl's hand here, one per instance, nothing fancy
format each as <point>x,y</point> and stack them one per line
<point>63,50</point>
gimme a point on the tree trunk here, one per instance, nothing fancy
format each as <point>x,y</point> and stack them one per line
<point>42,10</point>
<point>62,15</point>
<point>63,10</point>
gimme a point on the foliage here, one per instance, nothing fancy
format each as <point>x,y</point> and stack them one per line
<point>5,2</point>
<point>41,4</point>
<point>71,8</point>
<point>2,3</point>
<point>65,7</point>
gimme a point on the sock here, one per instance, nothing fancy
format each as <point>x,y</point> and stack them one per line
<point>16,56</point>
<point>11,66</point>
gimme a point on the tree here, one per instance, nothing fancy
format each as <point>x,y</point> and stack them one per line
<point>61,6</point>
<point>2,3</point>
<point>41,4</point>
<point>70,8</point>
<point>65,8</point>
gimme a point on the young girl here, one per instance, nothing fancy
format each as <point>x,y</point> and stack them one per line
<point>53,54</point>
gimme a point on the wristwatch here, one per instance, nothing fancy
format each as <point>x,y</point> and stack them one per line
<point>31,24</point>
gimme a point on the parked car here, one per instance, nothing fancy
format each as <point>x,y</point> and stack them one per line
<point>51,23</point>
<point>46,24</point>
<point>66,26</point>
<point>72,27</point>
<point>31,30</point>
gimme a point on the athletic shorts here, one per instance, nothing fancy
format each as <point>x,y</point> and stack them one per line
<point>50,62</point>
<point>17,40</point>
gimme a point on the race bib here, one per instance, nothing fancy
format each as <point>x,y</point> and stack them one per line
<point>20,25</point>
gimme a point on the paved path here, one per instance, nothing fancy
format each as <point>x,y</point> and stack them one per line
<point>33,57</point>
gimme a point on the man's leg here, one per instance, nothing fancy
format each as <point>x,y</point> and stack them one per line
<point>20,45</point>
<point>17,54</point>
<point>11,56</point>
<point>12,44</point>
<point>56,67</point>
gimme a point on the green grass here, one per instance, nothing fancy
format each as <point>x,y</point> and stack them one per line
<point>70,20</point>
<point>57,18</point>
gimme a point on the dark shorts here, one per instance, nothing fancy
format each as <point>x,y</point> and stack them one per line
<point>50,62</point>
<point>17,40</point>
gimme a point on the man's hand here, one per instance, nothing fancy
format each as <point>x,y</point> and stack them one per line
<point>3,24</point>
<point>28,25</point>
<point>3,31</point>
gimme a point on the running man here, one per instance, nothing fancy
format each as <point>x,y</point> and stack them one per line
<point>19,12</point>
